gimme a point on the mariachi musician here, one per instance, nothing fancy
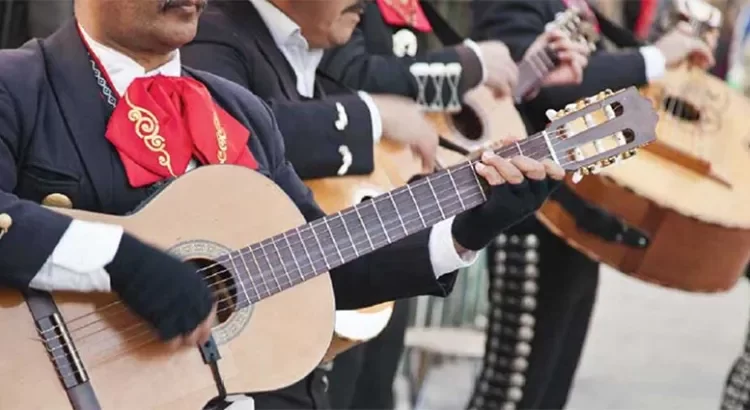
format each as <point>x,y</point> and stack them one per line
<point>67,139</point>
<point>272,48</point>
<point>567,279</point>
<point>387,42</point>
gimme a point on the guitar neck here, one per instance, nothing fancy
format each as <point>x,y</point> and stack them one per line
<point>287,259</point>
<point>532,70</point>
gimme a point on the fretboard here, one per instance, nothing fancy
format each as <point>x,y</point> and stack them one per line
<point>532,70</point>
<point>289,258</point>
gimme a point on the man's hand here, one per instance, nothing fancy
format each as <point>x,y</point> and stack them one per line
<point>502,71</point>
<point>519,186</point>
<point>573,57</point>
<point>405,123</point>
<point>679,45</point>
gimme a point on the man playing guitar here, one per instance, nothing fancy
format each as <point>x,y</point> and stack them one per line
<point>567,279</point>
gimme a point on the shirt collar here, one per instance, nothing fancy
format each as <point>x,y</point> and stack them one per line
<point>123,70</point>
<point>284,30</point>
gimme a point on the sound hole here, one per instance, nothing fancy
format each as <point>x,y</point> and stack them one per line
<point>468,124</point>
<point>222,284</point>
<point>681,108</point>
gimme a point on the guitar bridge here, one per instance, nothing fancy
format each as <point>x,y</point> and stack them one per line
<point>61,350</point>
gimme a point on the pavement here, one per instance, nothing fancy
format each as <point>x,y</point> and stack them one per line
<point>648,348</point>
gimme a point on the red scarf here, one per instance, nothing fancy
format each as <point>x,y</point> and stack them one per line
<point>404,13</point>
<point>161,123</point>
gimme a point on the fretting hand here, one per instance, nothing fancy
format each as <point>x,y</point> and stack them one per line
<point>519,186</point>
<point>502,71</point>
<point>572,56</point>
<point>679,45</point>
<point>167,293</point>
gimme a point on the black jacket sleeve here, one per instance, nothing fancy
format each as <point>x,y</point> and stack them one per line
<point>309,127</point>
<point>355,66</point>
<point>518,23</point>
<point>35,231</point>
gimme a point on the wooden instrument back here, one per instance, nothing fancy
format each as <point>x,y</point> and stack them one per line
<point>688,191</point>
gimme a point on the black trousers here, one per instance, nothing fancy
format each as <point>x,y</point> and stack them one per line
<point>542,293</point>
<point>737,384</point>
<point>362,377</point>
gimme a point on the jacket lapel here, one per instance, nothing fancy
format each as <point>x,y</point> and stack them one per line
<point>81,104</point>
<point>254,29</point>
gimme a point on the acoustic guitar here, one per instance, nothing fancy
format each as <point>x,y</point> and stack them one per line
<point>276,307</point>
<point>678,212</point>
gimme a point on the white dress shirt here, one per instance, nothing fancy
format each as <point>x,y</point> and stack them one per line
<point>77,262</point>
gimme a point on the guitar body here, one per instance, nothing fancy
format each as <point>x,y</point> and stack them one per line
<point>335,194</point>
<point>695,215</point>
<point>267,346</point>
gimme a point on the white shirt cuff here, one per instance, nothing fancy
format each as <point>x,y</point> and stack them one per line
<point>77,262</point>
<point>656,63</point>
<point>377,122</point>
<point>478,51</point>
<point>443,254</point>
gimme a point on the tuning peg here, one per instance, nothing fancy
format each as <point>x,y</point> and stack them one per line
<point>551,114</point>
<point>628,154</point>
<point>577,177</point>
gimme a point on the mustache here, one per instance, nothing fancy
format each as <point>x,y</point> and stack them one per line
<point>168,4</point>
<point>356,7</point>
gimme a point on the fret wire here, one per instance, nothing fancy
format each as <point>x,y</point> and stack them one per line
<point>377,213</point>
<point>320,246</point>
<point>476,178</point>
<point>364,227</point>
<point>398,213</point>
<point>260,271</point>
<point>346,229</point>
<point>408,187</point>
<point>455,187</point>
<point>333,238</point>
<point>249,274</point>
<point>270,266</point>
<point>304,247</point>
<point>237,279</point>
<point>432,189</point>
<point>294,257</point>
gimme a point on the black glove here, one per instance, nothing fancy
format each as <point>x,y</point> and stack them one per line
<point>507,204</point>
<point>167,293</point>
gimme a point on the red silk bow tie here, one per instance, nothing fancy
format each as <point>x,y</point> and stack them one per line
<point>405,13</point>
<point>161,123</point>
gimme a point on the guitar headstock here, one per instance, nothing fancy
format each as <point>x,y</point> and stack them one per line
<point>602,130</point>
<point>575,24</point>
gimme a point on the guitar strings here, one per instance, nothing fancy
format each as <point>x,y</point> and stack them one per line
<point>148,331</point>
<point>510,144</point>
<point>263,282</point>
<point>137,325</point>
